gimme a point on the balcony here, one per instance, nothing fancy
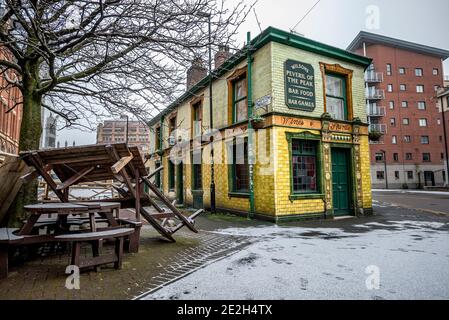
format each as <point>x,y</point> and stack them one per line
<point>374,77</point>
<point>375,94</point>
<point>375,111</point>
<point>378,128</point>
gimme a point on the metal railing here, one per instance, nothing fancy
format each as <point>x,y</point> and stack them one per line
<point>374,77</point>
<point>375,111</point>
<point>378,128</point>
<point>375,94</point>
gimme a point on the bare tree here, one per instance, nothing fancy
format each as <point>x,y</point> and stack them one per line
<point>88,58</point>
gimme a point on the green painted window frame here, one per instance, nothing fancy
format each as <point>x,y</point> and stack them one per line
<point>171,175</point>
<point>194,176</point>
<point>234,101</point>
<point>233,192</point>
<point>319,193</point>
<point>344,89</point>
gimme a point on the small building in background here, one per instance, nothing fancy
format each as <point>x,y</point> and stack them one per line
<point>114,131</point>
<point>10,110</point>
<point>50,131</point>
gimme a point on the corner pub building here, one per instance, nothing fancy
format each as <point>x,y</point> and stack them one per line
<point>289,142</point>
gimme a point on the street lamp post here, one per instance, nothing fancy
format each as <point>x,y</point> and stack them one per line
<point>212,169</point>
<point>123,116</point>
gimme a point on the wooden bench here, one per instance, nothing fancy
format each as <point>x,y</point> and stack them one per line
<point>7,238</point>
<point>133,239</point>
<point>93,238</point>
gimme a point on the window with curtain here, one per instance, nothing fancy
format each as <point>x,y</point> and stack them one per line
<point>336,97</point>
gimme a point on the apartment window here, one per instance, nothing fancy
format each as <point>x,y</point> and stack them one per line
<point>405,121</point>
<point>396,175</point>
<point>394,139</point>
<point>426,157</point>
<point>424,139</point>
<point>435,71</point>
<point>407,139</point>
<point>393,122</point>
<point>336,103</point>
<point>239,167</point>
<point>404,104</point>
<point>401,70</point>
<point>389,72</point>
<point>410,175</point>
<point>390,88</point>
<point>171,175</point>
<point>197,177</point>
<point>197,117</point>
<point>402,87</point>
<point>380,175</point>
<point>408,156</point>
<point>442,156</point>
<point>396,157</point>
<point>418,72</point>
<point>423,122</point>
<point>304,166</point>
<point>438,122</point>
<point>420,88</point>
<point>421,105</point>
<point>379,156</point>
<point>239,100</point>
<point>440,138</point>
<point>391,105</point>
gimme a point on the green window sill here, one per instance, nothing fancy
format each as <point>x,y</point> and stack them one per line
<point>306,196</point>
<point>238,195</point>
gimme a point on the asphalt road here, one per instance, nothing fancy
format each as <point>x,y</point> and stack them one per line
<point>435,202</point>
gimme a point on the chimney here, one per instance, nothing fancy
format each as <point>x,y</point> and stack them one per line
<point>222,55</point>
<point>196,72</point>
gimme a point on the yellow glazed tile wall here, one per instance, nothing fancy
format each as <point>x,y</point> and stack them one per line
<point>284,206</point>
<point>366,172</point>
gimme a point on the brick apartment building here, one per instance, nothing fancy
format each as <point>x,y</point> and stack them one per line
<point>10,112</point>
<point>443,104</point>
<point>401,88</point>
<point>114,131</point>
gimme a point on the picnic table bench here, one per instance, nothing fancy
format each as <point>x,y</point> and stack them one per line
<point>94,239</point>
<point>7,238</point>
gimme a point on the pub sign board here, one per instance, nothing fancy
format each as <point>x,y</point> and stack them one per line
<point>299,85</point>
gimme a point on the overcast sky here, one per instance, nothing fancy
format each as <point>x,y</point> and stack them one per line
<point>337,22</point>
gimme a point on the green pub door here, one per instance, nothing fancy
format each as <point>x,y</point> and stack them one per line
<point>341,182</point>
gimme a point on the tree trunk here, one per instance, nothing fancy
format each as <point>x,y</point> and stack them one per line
<point>30,133</point>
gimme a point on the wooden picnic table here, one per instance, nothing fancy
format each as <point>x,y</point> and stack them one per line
<point>64,209</point>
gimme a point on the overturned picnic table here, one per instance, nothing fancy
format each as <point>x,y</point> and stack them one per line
<point>73,165</point>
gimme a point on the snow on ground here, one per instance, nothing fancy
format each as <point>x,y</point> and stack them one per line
<point>326,263</point>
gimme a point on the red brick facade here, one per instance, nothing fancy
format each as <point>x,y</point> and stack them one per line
<point>9,121</point>
<point>413,141</point>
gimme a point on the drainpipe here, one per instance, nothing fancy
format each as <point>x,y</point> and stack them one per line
<point>251,156</point>
<point>445,139</point>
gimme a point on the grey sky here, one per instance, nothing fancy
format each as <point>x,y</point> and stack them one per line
<point>337,22</point>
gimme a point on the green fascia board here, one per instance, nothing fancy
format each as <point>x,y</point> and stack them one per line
<point>270,34</point>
